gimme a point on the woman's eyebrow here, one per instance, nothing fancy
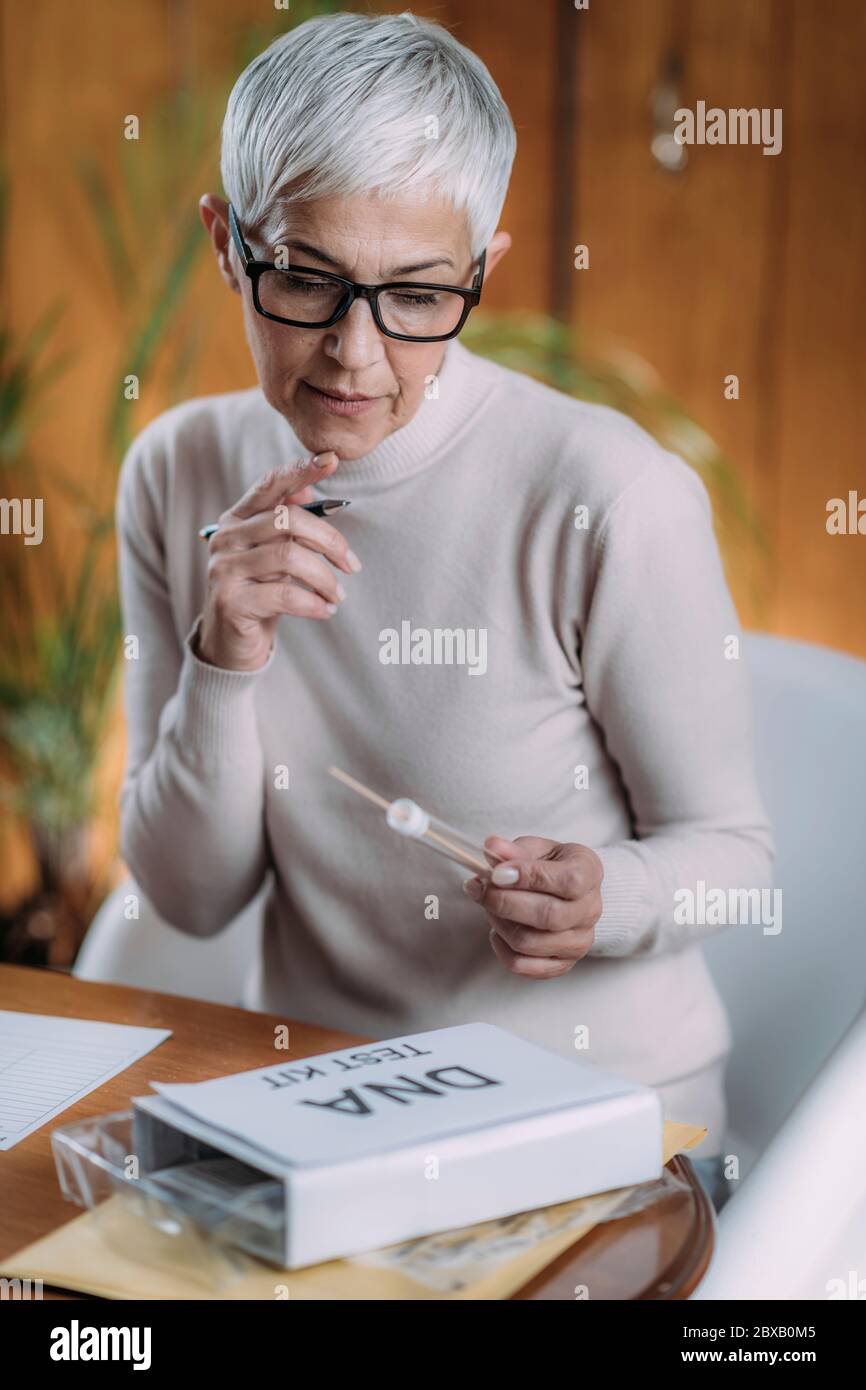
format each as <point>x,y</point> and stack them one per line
<point>398,270</point>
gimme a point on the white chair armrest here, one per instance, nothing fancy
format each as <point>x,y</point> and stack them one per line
<point>803,1194</point>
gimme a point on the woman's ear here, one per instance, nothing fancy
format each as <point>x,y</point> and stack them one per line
<point>499,243</point>
<point>214,213</point>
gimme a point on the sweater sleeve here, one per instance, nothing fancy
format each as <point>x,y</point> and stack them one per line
<point>192,801</point>
<point>666,680</point>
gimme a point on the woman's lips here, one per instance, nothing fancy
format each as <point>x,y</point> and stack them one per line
<point>340,407</point>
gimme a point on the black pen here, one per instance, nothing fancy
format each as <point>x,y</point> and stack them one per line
<point>328,504</point>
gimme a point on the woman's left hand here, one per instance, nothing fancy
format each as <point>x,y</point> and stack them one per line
<point>543,903</point>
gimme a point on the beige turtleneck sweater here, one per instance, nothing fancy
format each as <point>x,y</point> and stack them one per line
<point>595,702</point>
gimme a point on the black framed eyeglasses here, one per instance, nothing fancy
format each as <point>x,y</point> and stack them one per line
<point>411,310</point>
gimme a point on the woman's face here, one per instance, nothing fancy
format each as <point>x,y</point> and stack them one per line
<point>368,241</point>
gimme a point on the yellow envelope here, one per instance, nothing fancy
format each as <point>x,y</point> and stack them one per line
<point>113,1253</point>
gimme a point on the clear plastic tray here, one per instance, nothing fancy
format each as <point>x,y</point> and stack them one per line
<point>208,1214</point>
<point>207,1193</point>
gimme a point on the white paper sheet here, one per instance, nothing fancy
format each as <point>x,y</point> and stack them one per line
<point>48,1063</point>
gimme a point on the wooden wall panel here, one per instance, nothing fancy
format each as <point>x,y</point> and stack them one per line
<point>821,346</point>
<point>518,44</point>
<point>677,266</point>
<point>743,263</point>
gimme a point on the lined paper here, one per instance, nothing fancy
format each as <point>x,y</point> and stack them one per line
<point>49,1063</point>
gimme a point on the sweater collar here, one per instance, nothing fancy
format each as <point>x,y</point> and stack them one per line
<point>459,389</point>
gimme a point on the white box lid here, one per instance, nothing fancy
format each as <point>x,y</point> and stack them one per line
<point>344,1105</point>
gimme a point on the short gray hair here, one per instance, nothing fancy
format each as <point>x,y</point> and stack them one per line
<point>349,104</point>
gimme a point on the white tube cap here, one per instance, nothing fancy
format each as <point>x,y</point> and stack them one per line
<point>407,818</point>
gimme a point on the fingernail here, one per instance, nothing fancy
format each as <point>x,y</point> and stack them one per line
<point>320,460</point>
<point>331,607</point>
<point>341,592</point>
<point>354,562</point>
<point>472,886</point>
<point>504,875</point>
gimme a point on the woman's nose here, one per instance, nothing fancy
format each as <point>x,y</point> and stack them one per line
<point>355,339</point>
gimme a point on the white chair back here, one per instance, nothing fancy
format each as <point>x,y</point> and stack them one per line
<point>792,996</point>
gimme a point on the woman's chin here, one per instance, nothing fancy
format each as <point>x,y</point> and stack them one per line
<point>349,438</point>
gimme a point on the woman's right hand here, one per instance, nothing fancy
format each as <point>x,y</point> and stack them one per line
<point>264,563</point>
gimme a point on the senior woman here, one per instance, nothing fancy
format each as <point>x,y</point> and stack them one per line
<point>601,748</point>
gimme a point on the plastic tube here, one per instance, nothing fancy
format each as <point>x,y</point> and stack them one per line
<point>411,820</point>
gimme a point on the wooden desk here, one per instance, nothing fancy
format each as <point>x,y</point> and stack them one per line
<point>660,1253</point>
